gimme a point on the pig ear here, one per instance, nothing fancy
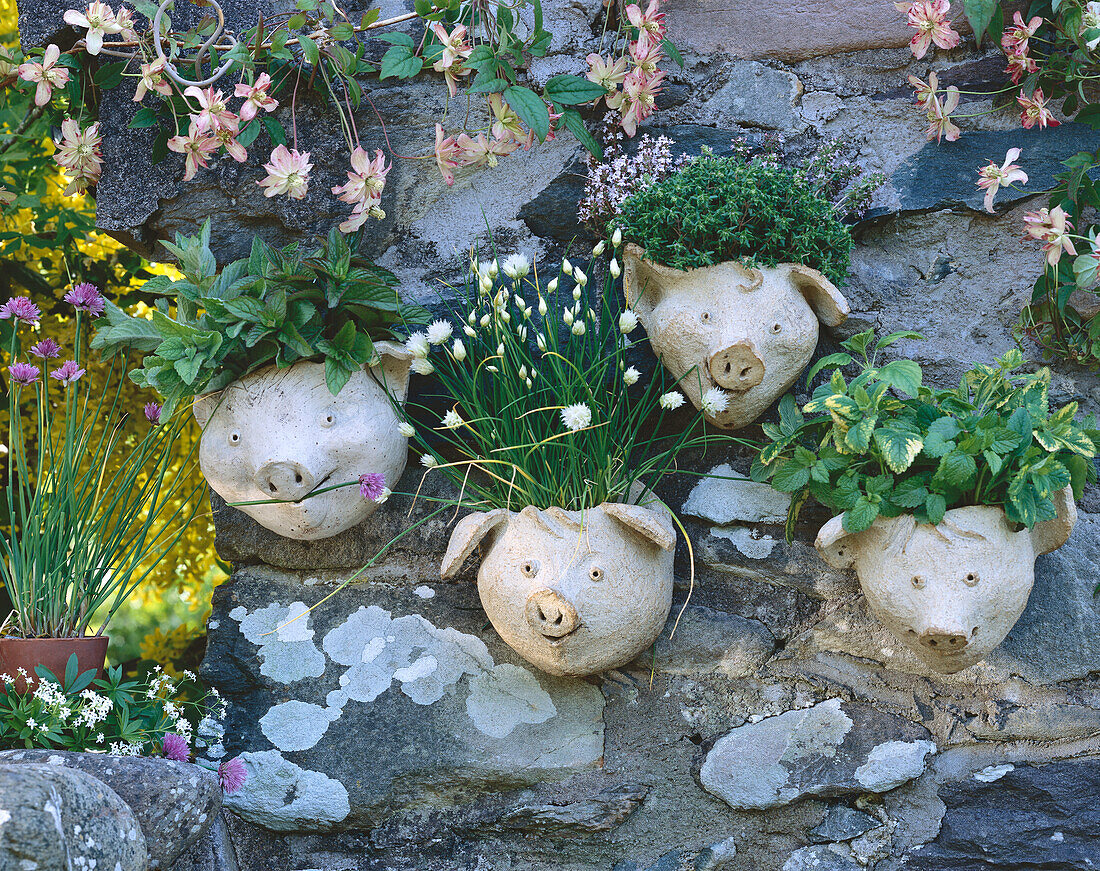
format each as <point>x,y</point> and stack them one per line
<point>468,534</point>
<point>650,524</point>
<point>828,303</point>
<point>393,370</point>
<point>204,407</point>
<point>643,280</point>
<point>835,544</point>
<point>1052,534</point>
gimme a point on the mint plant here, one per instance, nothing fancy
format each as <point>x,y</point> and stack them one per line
<point>884,444</point>
<point>277,306</point>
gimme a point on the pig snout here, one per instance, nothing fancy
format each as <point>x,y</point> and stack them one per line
<point>943,640</point>
<point>284,480</point>
<point>737,367</point>
<point>551,614</point>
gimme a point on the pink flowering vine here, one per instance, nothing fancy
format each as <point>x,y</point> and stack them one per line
<point>363,189</point>
<point>46,74</point>
<point>152,79</point>
<point>197,146</point>
<point>78,153</point>
<point>1052,228</point>
<point>929,18</point>
<point>1036,111</point>
<point>992,178</point>
<point>287,173</point>
<point>456,49</point>
<point>99,20</point>
<point>256,97</point>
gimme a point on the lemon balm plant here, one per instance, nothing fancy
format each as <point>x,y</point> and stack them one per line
<point>90,511</point>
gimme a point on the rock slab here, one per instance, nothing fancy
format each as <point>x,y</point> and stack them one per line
<point>832,748</point>
<point>173,802</point>
<point>54,817</point>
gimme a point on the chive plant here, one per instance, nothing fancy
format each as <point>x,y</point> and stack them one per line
<point>91,506</point>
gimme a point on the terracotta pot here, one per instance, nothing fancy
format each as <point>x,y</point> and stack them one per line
<point>54,653</point>
<point>950,592</point>
<point>747,332</point>
<point>572,592</point>
<point>279,434</point>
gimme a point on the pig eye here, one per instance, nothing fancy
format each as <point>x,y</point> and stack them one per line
<point>530,568</point>
<point>918,582</point>
<point>777,329</point>
<point>595,573</point>
<point>705,317</point>
<point>234,438</point>
<point>971,579</point>
<point>328,419</point>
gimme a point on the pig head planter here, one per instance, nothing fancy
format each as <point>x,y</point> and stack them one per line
<point>572,592</point>
<point>279,434</point>
<point>750,332</point>
<point>953,591</point>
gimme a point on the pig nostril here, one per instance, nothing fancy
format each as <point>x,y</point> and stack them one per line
<point>746,372</point>
<point>297,477</point>
<point>932,642</point>
<point>558,621</point>
<point>272,487</point>
<point>729,368</point>
<point>974,632</point>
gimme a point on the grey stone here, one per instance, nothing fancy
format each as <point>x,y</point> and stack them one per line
<point>1035,817</point>
<point>755,96</point>
<point>952,165</point>
<point>212,852</point>
<point>843,823</point>
<point>55,817</point>
<point>174,802</point>
<point>722,498</point>
<point>829,749</point>
<point>600,813</point>
<point>712,641</point>
<point>409,702</point>
<point>821,858</point>
<point>716,857</point>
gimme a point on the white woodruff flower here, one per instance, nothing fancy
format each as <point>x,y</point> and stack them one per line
<point>715,401</point>
<point>428,461</point>
<point>439,332</point>
<point>672,399</point>
<point>417,344</point>
<point>422,366</point>
<point>631,376</point>
<point>516,266</point>
<point>406,429</point>
<point>452,419</point>
<point>459,350</point>
<point>576,417</point>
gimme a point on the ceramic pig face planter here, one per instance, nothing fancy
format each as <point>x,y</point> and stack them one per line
<point>573,593</point>
<point>950,592</point>
<point>280,434</point>
<point>750,332</point>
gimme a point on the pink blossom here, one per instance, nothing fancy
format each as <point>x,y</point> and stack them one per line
<point>455,50</point>
<point>925,91</point>
<point>78,152</point>
<point>446,155</point>
<point>68,372</point>
<point>610,75</point>
<point>287,173</point>
<point>176,747</point>
<point>372,485</point>
<point>1052,228</point>
<point>20,308</point>
<point>227,139</point>
<point>475,152</point>
<point>940,124</point>
<point>86,298</point>
<point>929,17</point>
<point>1035,111</point>
<point>651,21</point>
<point>505,121</point>
<point>992,177</point>
<point>1020,65</point>
<point>47,349</point>
<point>215,112</point>
<point>197,146</point>
<point>125,21</point>
<point>639,93</point>
<point>152,79</point>
<point>363,189</point>
<point>1014,40</point>
<point>646,53</point>
<point>23,374</point>
<point>232,775</point>
<point>46,73</point>
<point>152,412</point>
<point>99,20</point>
<point>256,97</point>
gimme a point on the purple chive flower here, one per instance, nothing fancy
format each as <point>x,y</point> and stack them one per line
<point>175,747</point>
<point>23,374</point>
<point>47,349</point>
<point>86,298</point>
<point>372,485</point>
<point>152,412</point>
<point>21,309</point>
<point>232,775</point>
<point>67,372</point>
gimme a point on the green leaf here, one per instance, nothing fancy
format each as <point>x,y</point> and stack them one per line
<point>859,434</point>
<point>935,506</point>
<point>569,90</point>
<point>530,108</point>
<point>957,469</point>
<point>397,39</point>
<point>938,440</point>
<point>575,124</point>
<point>899,447</point>
<point>673,52</point>
<point>275,131</point>
<point>247,136</point>
<point>979,13</point>
<point>336,375</point>
<point>903,375</point>
<point>490,85</point>
<point>860,516</point>
<point>144,117</point>
<point>109,75</point>
<point>399,62</point>
<point>310,51</point>
<point>790,476</point>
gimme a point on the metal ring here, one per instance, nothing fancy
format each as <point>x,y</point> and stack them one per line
<point>170,68</point>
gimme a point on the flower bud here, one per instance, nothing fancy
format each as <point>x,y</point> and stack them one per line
<point>578,328</point>
<point>459,350</point>
<point>500,349</point>
<point>614,268</point>
<point>469,331</point>
<point>577,292</point>
<point>494,268</point>
<point>542,304</point>
<point>552,287</point>
<point>522,371</point>
<point>580,277</point>
<point>485,319</point>
<point>540,340</point>
<point>567,316</point>
<point>617,237</point>
<point>598,250</point>
<point>566,266</point>
<point>528,383</point>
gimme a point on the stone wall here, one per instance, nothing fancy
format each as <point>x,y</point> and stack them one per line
<point>779,726</point>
